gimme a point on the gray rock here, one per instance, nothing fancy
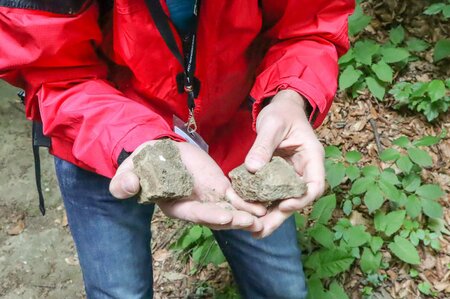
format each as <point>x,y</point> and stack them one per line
<point>162,173</point>
<point>276,180</point>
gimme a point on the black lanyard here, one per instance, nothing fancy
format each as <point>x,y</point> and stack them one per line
<point>187,59</point>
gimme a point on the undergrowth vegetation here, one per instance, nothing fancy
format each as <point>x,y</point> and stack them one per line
<point>374,215</point>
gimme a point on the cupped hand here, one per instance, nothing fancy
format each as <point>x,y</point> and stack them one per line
<point>284,130</point>
<point>208,205</point>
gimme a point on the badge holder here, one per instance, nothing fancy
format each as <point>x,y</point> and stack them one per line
<point>183,129</point>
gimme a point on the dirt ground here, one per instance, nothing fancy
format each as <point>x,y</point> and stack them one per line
<point>40,261</point>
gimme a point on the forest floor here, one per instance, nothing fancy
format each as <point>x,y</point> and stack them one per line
<point>37,254</point>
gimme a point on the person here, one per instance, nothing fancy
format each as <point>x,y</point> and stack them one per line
<point>250,78</point>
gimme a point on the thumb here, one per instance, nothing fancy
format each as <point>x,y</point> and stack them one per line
<point>125,183</point>
<point>267,140</point>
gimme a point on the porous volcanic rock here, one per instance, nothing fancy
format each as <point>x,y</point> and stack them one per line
<point>162,173</point>
<point>276,180</point>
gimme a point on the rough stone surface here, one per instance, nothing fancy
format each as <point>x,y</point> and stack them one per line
<point>276,180</point>
<point>162,173</point>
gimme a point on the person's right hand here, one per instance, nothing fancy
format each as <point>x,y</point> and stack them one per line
<point>207,204</point>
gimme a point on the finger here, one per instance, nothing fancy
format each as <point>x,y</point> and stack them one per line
<point>254,228</point>
<point>267,140</point>
<point>206,213</point>
<point>271,222</point>
<point>125,183</point>
<point>233,198</point>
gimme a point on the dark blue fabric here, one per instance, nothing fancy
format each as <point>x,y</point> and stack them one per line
<point>182,14</point>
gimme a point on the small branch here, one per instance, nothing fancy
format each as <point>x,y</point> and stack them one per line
<point>376,134</point>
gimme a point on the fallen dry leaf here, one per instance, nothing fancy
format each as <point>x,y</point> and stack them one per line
<point>17,229</point>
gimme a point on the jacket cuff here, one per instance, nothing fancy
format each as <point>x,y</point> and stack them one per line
<point>135,137</point>
<point>315,99</point>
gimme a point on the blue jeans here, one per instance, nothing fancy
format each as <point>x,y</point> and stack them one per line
<point>113,237</point>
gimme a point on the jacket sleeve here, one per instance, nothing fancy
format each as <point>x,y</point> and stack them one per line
<point>306,39</point>
<point>53,57</point>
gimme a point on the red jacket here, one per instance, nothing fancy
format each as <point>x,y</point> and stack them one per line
<point>92,109</point>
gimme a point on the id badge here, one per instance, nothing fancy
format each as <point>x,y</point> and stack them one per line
<point>180,128</point>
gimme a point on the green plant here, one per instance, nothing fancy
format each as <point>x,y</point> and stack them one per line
<point>198,242</point>
<point>437,8</point>
<point>383,209</point>
<point>372,65</point>
<point>429,98</point>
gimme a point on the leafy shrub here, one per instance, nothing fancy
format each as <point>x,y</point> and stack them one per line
<point>400,212</point>
<point>372,65</point>
<point>429,98</point>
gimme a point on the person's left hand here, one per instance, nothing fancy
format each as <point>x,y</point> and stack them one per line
<point>284,130</point>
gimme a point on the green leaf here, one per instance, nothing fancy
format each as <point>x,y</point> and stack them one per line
<point>413,206</point>
<point>446,12</point>
<point>374,198</point>
<point>315,289</point>
<point>198,251</point>
<point>206,232</point>
<point>434,8</point>
<point>436,90</point>
<point>429,191</point>
<point>360,185</point>
<point>401,141</point>
<point>425,287</point>
<point>323,208</point>
<point>347,207</point>
<point>349,56</point>
<point>356,236</point>
<point>370,171</point>
<point>353,172</point>
<point>300,220</point>
<point>356,201</point>
<point>404,250</point>
<point>349,77</point>
<point>322,235</point>
<point>332,151</point>
<point>383,71</point>
<point>405,164</point>
<point>353,156</point>
<point>337,291</point>
<point>335,174</point>
<point>394,222</point>
<point>190,236</point>
<point>397,35</point>
<point>420,157</point>
<point>389,190</point>
<point>393,55</point>
<point>375,88</point>
<point>388,175</point>
<point>358,21</point>
<point>329,262</point>
<point>411,182</point>
<point>376,243</point>
<point>441,50</point>
<point>370,263</point>
<point>427,141</point>
<point>417,45</point>
<point>390,223</point>
<point>214,256</point>
<point>432,208</point>
<point>364,51</point>
<point>389,154</point>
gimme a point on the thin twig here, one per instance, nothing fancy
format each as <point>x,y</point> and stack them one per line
<point>376,134</point>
